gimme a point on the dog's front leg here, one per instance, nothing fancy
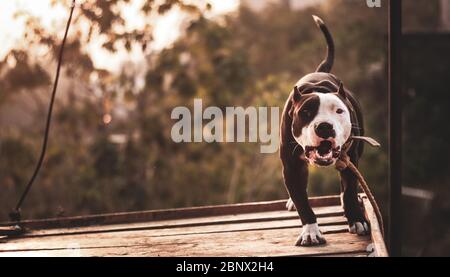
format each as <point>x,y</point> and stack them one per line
<point>295,174</point>
<point>352,208</point>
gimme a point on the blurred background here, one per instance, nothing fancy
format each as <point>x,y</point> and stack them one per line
<point>127,64</point>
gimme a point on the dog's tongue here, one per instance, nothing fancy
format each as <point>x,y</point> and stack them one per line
<point>324,147</point>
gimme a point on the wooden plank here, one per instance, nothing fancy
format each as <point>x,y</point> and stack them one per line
<point>10,231</point>
<point>346,254</point>
<point>275,242</point>
<point>127,239</point>
<point>321,212</point>
<point>155,215</point>
<point>260,233</point>
<point>206,229</point>
<point>375,233</point>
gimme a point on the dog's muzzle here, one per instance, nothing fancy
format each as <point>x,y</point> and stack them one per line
<point>324,154</point>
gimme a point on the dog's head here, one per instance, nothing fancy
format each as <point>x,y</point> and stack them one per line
<point>321,124</point>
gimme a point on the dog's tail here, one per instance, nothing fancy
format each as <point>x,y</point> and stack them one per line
<point>327,64</point>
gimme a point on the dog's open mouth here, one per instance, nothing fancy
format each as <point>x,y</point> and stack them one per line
<point>324,154</point>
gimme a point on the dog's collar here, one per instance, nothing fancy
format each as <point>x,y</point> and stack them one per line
<point>356,128</point>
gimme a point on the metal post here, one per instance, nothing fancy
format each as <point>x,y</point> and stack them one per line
<point>395,127</point>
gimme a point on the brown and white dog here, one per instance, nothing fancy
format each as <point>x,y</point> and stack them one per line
<point>319,117</point>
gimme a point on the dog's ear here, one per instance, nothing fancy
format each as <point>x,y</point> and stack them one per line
<point>341,91</point>
<point>297,94</point>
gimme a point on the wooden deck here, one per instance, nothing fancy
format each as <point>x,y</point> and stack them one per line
<point>250,229</point>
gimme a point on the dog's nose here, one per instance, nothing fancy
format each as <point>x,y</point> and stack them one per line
<point>325,130</point>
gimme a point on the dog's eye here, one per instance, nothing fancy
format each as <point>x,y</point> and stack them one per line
<point>305,113</point>
<point>339,111</point>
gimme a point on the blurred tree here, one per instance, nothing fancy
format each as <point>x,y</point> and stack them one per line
<point>245,58</point>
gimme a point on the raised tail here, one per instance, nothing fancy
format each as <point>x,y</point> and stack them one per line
<point>327,64</point>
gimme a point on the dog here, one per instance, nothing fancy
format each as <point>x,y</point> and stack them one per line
<point>318,119</point>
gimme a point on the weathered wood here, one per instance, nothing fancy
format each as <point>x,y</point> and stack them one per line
<point>376,235</point>
<point>10,231</point>
<point>258,229</point>
<point>345,254</point>
<point>273,242</point>
<point>276,216</point>
<point>176,231</point>
<point>154,215</point>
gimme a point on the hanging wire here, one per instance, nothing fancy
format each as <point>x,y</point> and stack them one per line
<point>15,215</point>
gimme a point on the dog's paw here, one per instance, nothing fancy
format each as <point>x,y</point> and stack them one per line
<point>359,227</point>
<point>290,206</point>
<point>310,236</point>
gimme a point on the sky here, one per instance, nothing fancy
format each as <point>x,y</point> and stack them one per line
<point>167,27</point>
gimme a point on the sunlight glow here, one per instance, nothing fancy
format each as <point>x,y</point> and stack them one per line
<point>167,28</point>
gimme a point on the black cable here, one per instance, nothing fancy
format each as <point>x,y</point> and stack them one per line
<point>15,215</point>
